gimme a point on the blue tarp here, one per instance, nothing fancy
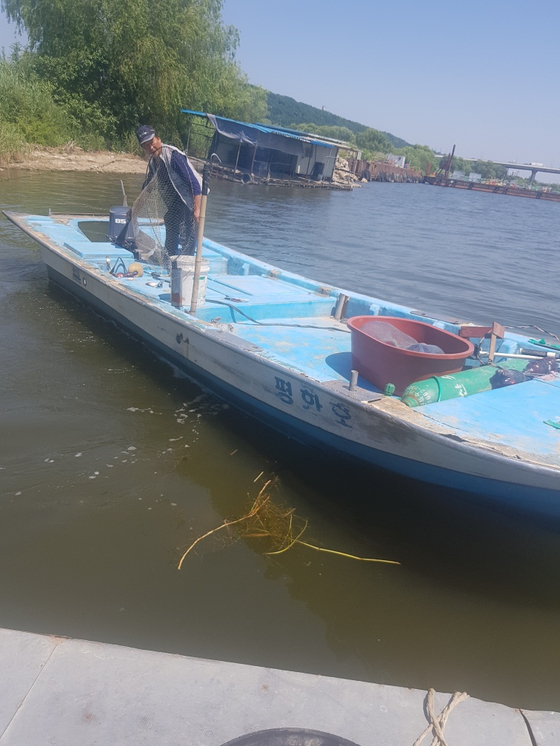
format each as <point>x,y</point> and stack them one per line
<point>260,135</point>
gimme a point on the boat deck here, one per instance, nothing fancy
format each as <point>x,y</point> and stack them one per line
<point>515,416</point>
<point>282,313</point>
<point>280,317</point>
<point>287,322</point>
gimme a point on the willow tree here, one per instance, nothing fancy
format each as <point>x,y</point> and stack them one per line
<point>115,63</point>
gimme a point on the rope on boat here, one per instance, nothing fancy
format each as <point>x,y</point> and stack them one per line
<point>437,722</point>
<point>264,323</point>
<point>533,326</point>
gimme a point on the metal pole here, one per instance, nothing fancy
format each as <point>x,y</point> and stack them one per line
<point>237,158</point>
<point>253,161</point>
<point>515,356</point>
<point>198,259</point>
<point>341,302</point>
<point>449,163</point>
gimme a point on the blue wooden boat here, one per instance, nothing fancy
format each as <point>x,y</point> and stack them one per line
<point>279,346</point>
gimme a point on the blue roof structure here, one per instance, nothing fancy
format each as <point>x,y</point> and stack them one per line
<point>261,135</point>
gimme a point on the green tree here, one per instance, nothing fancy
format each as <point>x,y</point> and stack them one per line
<point>459,164</point>
<point>419,156</point>
<point>28,111</point>
<point>373,141</point>
<point>115,63</point>
<point>489,170</point>
<point>334,132</point>
<point>284,111</point>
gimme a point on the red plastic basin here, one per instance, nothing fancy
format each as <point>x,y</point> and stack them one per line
<point>382,363</point>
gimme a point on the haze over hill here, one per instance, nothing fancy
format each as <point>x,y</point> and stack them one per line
<point>284,111</point>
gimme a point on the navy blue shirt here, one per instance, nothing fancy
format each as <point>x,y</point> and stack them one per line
<point>180,166</point>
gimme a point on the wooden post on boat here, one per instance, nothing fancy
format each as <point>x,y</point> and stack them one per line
<point>497,332</point>
<point>198,259</point>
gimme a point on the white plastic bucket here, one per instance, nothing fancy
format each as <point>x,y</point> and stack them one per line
<point>182,280</point>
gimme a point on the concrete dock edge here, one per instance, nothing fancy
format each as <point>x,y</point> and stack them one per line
<point>63,692</point>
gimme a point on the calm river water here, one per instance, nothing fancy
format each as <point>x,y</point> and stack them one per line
<point>111,465</point>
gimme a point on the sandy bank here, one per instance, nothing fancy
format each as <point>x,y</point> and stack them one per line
<point>75,159</point>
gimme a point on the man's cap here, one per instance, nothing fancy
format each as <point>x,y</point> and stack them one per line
<point>145,133</point>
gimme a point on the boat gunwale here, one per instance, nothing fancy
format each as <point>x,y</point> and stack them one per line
<point>426,428</point>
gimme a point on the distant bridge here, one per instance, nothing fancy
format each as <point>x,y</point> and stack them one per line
<point>534,168</point>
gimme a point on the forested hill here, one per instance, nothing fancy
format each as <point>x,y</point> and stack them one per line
<point>284,111</point>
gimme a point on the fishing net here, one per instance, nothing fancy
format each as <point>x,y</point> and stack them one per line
<point>163,221</point>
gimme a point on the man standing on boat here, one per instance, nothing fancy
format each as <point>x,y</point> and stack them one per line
<point>179,187</point>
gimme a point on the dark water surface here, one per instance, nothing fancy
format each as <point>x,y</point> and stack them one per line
<point>110,465</point>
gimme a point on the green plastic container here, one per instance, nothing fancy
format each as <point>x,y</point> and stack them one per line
<point>464,383</point>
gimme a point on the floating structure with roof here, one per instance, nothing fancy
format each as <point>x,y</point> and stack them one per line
<point>257,153</point>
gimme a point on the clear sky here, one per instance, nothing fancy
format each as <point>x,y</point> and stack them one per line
<point>481,74</point>
<point>9,34</point>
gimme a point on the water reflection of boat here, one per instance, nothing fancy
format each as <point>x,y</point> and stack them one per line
<point>277,345</point>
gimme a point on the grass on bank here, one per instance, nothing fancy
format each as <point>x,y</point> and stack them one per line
<point>28,113</point>
<point>30,116</point>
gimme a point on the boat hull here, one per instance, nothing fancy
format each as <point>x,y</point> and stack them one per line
<point>237,373</point>
<point>295,375</point>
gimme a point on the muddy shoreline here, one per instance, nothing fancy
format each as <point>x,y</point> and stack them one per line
<point>76,159</point>
<point>73,158</point>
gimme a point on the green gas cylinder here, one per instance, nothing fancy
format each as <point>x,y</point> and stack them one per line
<point>464,383</point>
